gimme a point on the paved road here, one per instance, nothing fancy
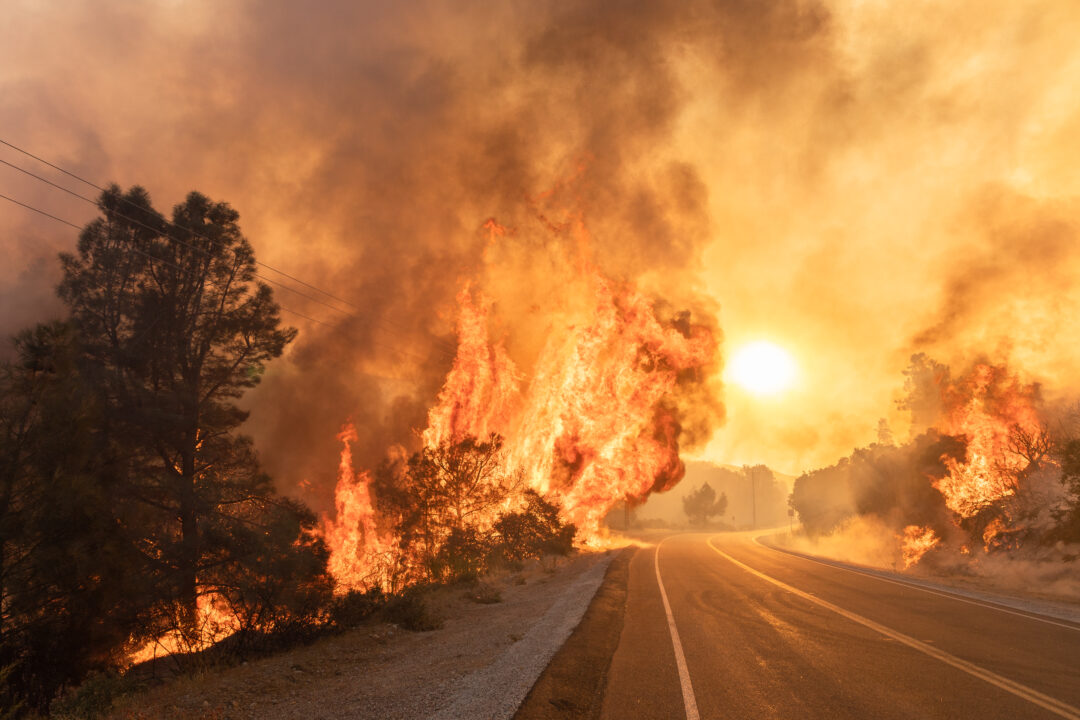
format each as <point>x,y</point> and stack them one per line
<point>765,634</point>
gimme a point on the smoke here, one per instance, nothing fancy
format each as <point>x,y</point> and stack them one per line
<point>837,178</point>
<point>365,146</point>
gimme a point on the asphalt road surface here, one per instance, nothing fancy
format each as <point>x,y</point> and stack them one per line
<point>718,626</point>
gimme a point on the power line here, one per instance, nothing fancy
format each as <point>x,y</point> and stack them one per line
<point>98,187</point>
<point>447,349</point>
<point>39,211</point>
<point>137,250</point>
<point>143,225</point>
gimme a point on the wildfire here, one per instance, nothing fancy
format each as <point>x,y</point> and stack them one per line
<point>214,622</point>
<point>916,542</point>
<point>986,406</point>
<point>592,428</point>
<point>352,536</point>
<point>596,424</point>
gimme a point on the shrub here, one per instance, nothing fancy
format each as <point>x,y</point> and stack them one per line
<point>408,609</point>
<point>534,531</point>
<point>355,607</point>
<point>462,557</point>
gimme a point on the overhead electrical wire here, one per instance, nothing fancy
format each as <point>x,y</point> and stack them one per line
<point>444,348</point>
<point>39,211</point>
<point>450,350</point>
<point>100,188</point>
<point>49,215</point>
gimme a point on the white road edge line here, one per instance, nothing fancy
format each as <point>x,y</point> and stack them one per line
<point>915,586</point>
<point>1022,691</point>
<point>680,660</point>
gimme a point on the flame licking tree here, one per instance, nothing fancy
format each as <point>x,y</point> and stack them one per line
<point>597,423</point>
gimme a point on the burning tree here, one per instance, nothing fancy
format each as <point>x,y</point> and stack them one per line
<point>442,501</point>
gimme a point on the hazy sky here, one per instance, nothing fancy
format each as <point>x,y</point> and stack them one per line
<point>854,180</point>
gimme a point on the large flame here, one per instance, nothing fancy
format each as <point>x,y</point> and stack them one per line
<point>352,536</point>
<point>596,424</point>
<point>986,407</point>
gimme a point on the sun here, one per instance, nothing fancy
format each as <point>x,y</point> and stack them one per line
<point>762,368</point>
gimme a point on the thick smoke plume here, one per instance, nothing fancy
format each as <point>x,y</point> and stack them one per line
<point>846,181</point>
<point>365,146</point>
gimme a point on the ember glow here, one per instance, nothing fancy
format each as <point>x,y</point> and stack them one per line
<point>214,622</point>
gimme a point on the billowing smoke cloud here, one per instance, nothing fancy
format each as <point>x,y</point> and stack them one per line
<point>365,146</point>
<point>838,178</point>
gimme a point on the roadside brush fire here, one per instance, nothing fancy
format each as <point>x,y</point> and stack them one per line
<point>598,421</point>
<point>989,477</point>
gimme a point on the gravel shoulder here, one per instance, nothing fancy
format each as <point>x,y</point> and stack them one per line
<point>480,664</point>
<point>573,684</point>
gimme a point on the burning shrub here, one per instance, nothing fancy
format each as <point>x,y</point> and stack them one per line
<point>980,477</point>
<point>534,531</point>
<point>442,504</point>
<point>277,584</point>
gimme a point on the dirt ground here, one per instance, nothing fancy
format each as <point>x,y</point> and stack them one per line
<point>381,671</point>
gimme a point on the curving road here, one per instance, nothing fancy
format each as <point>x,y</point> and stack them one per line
<point>718,626</point>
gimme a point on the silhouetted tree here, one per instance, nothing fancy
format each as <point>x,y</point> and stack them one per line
<point>446,507</point>
<point>71,586</point>
<point>533,531</point>
<point>702,504</point>
<point>174,325</point>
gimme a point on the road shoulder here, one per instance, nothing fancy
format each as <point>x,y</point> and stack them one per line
<point>572,685</point>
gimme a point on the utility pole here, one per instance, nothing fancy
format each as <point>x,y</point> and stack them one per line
<point>753,496</point>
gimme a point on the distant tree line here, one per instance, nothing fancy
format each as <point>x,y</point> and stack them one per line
<point>130,503</point>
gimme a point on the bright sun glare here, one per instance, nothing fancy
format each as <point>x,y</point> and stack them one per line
<point>762,368</point>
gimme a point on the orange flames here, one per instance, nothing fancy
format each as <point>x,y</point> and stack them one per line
<point>214,622</point>
<point>986,406</point>
<point>352,536</point>
<point>593,427</point>
<point>596,424</point>
<point>916,542</point>
<point>481,393</point>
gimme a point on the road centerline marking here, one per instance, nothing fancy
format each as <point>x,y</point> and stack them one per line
<point>1035,697</point>
<point>689,703</point>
